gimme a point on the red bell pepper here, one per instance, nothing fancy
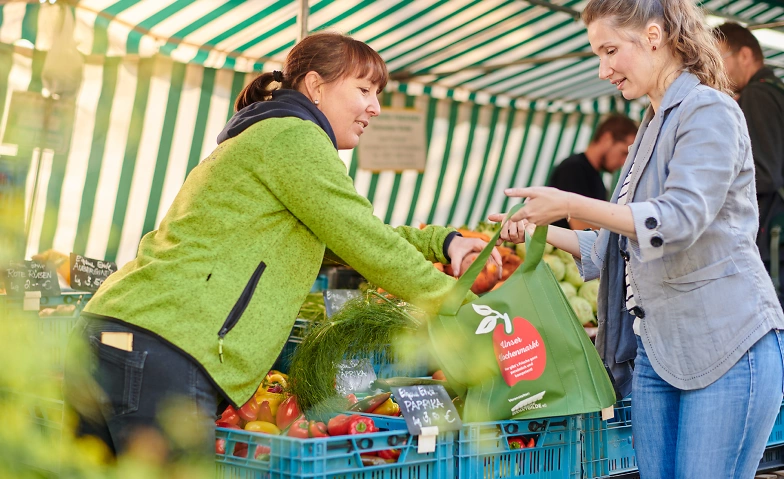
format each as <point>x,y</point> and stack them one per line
<point>299,429</point>
<point>250,410</point>
<point>220,446</point>
<point>262,453</point>
<point>389,454</point>
<point>230,416</point>
<point>531,442</point>
<point>288,411</point>
<point>516,443</point>
<point>338,425</point>
<point>361,425</point>
<point>317,429</point>
<point>241,449</point>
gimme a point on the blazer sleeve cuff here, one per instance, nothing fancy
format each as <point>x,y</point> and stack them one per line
<point>587,265</point>
<point>650,241</point>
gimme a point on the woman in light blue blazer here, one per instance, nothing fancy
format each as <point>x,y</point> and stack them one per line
<point>684,300</point>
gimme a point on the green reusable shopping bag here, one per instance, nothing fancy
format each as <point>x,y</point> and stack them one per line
<point>518,352</point>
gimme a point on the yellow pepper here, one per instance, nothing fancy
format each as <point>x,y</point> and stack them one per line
<point>387,408</point>
<point>276,377</point>
<point>262,426</point>
<point>274,400</point>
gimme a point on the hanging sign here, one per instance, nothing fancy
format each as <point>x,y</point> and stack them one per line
<point>394,141</point>
<point>21,277</point>
<point>88,274</point>
<point>427,406</point>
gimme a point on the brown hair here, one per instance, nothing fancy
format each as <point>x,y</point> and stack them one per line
<point>736,37</point>
<point>683,23</point>
<point>619,126</point>
<point>331,55</point>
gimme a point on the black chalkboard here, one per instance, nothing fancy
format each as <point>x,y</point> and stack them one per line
<point>88,274</point>
<point>425,406</point>
<point>354,375</point>
<point>334,299</point>
<point>23,276</point>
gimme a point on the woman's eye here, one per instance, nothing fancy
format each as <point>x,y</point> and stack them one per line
<point>611,51</point>
<point>364,91</point>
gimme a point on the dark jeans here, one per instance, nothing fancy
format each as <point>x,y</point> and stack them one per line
<point>132,399</point>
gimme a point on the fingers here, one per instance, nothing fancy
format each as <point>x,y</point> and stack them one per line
<point>520,192</point>
<point>496,217</point>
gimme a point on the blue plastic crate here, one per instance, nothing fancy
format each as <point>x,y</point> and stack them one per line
<point>608,446</point>
<point>383,365</point>
<point>336,457</point>
<point>483,451</point>
<point>777,434</point>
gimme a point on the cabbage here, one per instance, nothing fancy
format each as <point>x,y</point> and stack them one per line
<point>582,309</point>
<point>590,292</point>
<point>520,250</point>
<point>573,274</point>
<point>558,268</point>
<point>565,257</point>
<point>568,289</point>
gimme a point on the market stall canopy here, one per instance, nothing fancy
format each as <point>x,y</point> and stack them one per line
<point>478,49</point>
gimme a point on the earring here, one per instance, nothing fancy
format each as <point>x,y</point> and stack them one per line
<point>315,102</point>
<point>653,48</point>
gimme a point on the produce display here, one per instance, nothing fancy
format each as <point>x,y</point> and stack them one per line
<point>274,411</point>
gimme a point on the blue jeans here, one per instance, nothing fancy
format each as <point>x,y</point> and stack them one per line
<point>123,396</point>
<point>718,431</point>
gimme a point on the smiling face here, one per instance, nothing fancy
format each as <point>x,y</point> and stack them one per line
<point>622,59</point>
<point>349,104</point>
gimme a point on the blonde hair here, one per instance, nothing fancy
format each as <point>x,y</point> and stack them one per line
<point>686,33</point>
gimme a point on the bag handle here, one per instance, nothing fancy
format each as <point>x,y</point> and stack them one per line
<point>534,248</point>
<point>455,298</point>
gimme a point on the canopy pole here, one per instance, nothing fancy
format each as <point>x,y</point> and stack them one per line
<point>302,19</point>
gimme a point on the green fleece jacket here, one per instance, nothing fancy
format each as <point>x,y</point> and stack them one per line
<point>249,227</point>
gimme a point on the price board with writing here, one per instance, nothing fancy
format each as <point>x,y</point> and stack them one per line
<point>354,375</point>
<point>88,274</point>
<point>426,406</point>
<point>334,299</point>
<point>27,276</point>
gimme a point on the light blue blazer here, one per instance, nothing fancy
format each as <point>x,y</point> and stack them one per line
<point>695,267</point>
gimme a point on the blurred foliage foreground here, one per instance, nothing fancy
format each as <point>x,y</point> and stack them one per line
<point>37,441</point>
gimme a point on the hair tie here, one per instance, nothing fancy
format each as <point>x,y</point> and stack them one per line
<point>277,75</point>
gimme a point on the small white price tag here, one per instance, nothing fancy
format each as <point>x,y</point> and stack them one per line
<point>32,301</point>
<point>427,440</point>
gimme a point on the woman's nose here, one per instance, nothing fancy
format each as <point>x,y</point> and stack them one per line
<point>605,72</point>
<point>375,107</point>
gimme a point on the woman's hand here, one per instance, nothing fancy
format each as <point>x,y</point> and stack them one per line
<point>460,247</point>
<point>512,231</point>
<point>545,205</point>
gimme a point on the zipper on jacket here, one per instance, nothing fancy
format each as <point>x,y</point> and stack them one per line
<point>239,307</point>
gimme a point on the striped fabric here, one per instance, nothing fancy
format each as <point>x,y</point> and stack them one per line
<point>142,124</point>
<point>622,200</point>
<point>160,77</point>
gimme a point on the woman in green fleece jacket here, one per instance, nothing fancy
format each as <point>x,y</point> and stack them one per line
<point>205,308</point>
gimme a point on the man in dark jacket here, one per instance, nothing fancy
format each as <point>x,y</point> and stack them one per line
<point>581,173</point>
<point>760,95</point>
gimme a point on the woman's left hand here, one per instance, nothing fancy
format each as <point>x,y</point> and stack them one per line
<point>460,247</point>
<point>545,205</point>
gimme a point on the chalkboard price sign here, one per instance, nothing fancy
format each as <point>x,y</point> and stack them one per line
<point>23,276</point>
<point>354,375</point>
<point>427,406</point>
<point>88,274</point>
<point>334,299</point>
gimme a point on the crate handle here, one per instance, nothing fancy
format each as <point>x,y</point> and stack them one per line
<point>511,428</point>
<point>395,440</point>
<point>534,426</point>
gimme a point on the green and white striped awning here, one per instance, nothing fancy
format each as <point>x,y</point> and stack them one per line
<point>533,49</point>
<point>160,77</point>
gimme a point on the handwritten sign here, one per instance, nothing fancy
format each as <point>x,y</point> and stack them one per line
<point>354,375</point>
<point>427,406</point>
<point>394,141</point>
<point>334,299</point>
<point>28,276</point>
<point>88,274</point>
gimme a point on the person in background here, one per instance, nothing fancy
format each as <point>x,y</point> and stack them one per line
<point>688,318</point>
<point>581,173</point>
<point>760,94</point>
<point>205,308</point>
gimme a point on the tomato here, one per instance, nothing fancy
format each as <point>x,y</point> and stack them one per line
<point>299,429</point>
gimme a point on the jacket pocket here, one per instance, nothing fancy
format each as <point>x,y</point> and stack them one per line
<point>239,307</point>
<point>703,276</point>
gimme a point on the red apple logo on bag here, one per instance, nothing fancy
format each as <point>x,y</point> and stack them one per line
<point>519,348</point>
